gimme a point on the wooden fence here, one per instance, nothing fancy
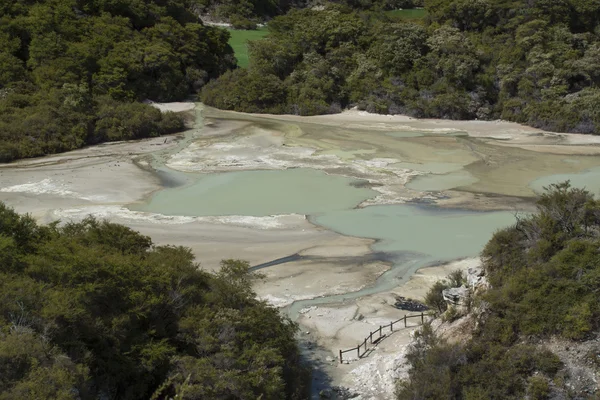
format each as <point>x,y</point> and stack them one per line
<point>372,339</point>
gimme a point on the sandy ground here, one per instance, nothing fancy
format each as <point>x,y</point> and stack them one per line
<point>103,180</point>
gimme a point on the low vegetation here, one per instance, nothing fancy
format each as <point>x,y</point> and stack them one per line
<point>434,298</point>
<point>94,310</point>
<point>544,274</point>
<point>530,62</point>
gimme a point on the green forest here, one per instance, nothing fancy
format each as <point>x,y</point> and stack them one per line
<point>95,310</point>
<point>532,62</point>
<point>544,274</point>
<point>74,72</point>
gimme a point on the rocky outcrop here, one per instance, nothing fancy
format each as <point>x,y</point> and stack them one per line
<point>457,297</point>
<point>476,277</point>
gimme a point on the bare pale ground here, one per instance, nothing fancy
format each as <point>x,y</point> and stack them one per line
<point>102,180</point>
<point>345,326</point>
<point>174,107</point>
<point>503,157</point>
<point>340,267</point>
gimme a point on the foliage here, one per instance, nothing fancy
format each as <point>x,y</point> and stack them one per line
<point>95,310</point>
<point>71,70</point>
<point>434,298</point>
<point>544,274</point>
<point>549,268</point>
<point>531,62</point>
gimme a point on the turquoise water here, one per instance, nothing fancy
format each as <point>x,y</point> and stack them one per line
<point>414,236</point>
<point>437,232</point>
<point>259,193</point>
<point>588,179</point>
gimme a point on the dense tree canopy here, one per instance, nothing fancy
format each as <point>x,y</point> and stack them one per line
<point>534,62</point>
<point>94,310</point>
<point>545,275</point>
<point>70,70</point>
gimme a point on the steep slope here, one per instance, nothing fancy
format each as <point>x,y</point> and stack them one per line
<point>534,332</point>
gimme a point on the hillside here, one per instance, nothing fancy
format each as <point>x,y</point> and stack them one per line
<point>529,62</point>
<point>534,332</point>
<point>72,73</point>
<point>95,310</point>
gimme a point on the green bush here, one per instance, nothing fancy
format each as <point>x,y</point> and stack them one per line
<point>95,309</point>
<point>544,274</point>
<point>239,22</point>
<point>464,60</point>
<point>538,388</point>
<point>434,298</point>
<point>70,72</point>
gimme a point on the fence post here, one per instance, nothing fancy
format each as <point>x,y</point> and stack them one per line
<point>405,321</point>
<point>371,337</point>
<point>380,330</point>
<point>422,314</point>
<point>358,351</point>
<point>392,326</point>
<point>341,360</point>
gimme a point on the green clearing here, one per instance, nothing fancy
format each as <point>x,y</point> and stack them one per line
<point>412,13</point>
<point>239,42</point>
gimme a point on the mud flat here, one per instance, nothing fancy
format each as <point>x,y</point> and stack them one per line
<point>102,180</point>
<point>343,212</point>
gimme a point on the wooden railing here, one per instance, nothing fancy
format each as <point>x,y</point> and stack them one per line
<point>380,334</point>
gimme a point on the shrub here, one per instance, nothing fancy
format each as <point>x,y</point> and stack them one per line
<point>538,388</point>
<point>434,298</point>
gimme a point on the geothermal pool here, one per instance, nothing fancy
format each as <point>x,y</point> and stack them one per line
<point>588,179</point>
<point>332,175</point>
<point>259,193</point>
<point>238,185</point>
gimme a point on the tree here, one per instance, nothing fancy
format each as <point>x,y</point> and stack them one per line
<point>95,309</point>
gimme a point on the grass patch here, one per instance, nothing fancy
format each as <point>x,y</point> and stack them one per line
<point>413,13</point>
<point>239,42</point>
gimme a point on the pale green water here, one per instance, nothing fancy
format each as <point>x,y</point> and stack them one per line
<point>588,179</point>
<point>428,230</point>
<point>433,182</point>
<point>259,193</point>
<point>414,236</point>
